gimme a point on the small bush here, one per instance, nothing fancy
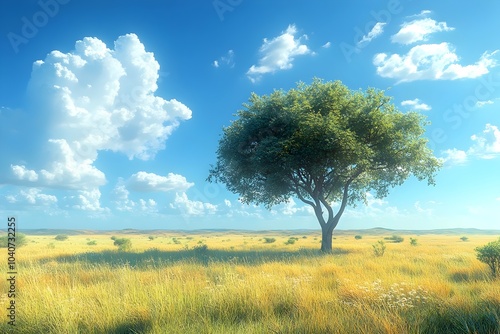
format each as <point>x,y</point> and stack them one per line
<point>464,238</point>
<point>61,237</point>
<point>395,238</point>
<point>490,254</point>
<point>291,241</point>
<point>413,241</point>
<point>20,240</point>
<point>92,243</point>
<point>151,237</point>
<point>379,248</point>
<point>269,240</point>
<point>123,244</point>
<point>357,237</point>
<point>113,238</point>
<point>200,250</point>
<point>176,241</point>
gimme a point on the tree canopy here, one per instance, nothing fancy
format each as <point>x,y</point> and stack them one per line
<point>322,143</point>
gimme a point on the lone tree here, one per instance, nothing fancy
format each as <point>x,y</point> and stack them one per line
<point>321,143</point>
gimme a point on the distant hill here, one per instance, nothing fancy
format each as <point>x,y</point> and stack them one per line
<point>371,231</point>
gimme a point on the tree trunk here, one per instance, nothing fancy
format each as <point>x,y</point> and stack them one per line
<point>326,238</point>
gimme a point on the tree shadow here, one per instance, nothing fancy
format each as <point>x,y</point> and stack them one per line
<point>153,258</point>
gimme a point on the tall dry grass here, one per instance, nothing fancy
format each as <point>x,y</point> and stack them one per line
<point>240,284</point>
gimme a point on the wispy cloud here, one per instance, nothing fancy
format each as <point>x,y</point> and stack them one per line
<point>326,45</point>
<point>278,53</point>
<point>376,31</point>
<point>226,60</point>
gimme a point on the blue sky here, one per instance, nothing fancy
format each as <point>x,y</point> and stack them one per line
<point>111,111</point>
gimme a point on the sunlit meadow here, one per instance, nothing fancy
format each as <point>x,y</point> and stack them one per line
<point>246,282</point>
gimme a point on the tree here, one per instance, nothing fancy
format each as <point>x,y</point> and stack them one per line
<point>123,244</point>
<point>490,254</point>
<point>321,143</point>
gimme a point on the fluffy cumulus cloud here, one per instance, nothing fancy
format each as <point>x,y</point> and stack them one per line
<point>486,144</point>
<point>189,207</point>
<point>416,104</point>
<point>95,98</point>
<point>150,182</point>
<point>278,53</point>
<point>376,31</point>
<point>418,30</point>
<point>454,157</point>
<point>430,62</point>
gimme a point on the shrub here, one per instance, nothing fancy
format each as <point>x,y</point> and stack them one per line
<point>200,250</point>
<point>123,244</point>
<point>395,238</point>
<point>269,240</point>
<point>379,248</point>
<point>291,241</point>
<point>464,238</point>
<point>176,241</point>
<point>20,240</point>
<point>61,237</point>
<point>113,238</point>
<point>490,254</point>
<point>357,237</point>
<point>413,241</point>
<point>92,243</point>
<point>151,237</point>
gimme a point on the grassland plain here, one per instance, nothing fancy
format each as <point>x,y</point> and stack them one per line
<point>239,283</point>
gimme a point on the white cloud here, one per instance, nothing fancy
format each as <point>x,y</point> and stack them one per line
<point>480,104</point>
<point>227,203</point>
<point>326,45</point>
<point>376,31</point>
<point>278,54</point>
<point>192,208</point>
<point>31,197</point>
<point>120,197</point>
<point>86,200</point>
<point>418,30</point>
<point>94,99</point>
<point>486,144</point>
<point>21,173</point>
<point>430,62</point>
<point>416,104</point>
<point>290,208</point>
<point>454,157</point>
<point>150,182</point>
<point>227,60</point>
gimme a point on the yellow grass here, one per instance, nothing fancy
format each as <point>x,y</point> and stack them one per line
<point>241,284</point>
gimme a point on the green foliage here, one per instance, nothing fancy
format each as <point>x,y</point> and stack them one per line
<point>358,237</point>
<point>20,240</point>
<point>395,239</point>
<point>268,240</point>
<point>151,237</point>
<point>123,244</point>
<point>464,238</point>
<point>113,238</point>
<point>291,241</point>
<point>61,237</point>
<point>413,241</point>
<point>379,248</point>
<point>176,241</point>
<point>92,243</point>
<point>321,143</point>
<point>490,254</point>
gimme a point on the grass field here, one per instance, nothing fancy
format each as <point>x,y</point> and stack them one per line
<point>239,283</point>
